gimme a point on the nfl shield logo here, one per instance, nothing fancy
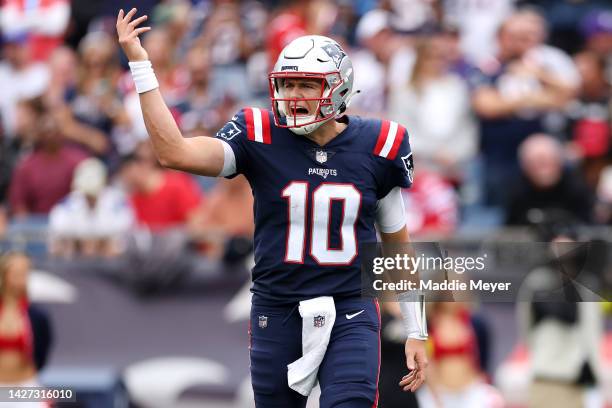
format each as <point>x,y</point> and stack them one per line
<point>321,156</point>
<point>319,321</point>
<point>263,322</point>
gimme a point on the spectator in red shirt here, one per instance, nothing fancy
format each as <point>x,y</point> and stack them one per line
<point>160,198</point>
<point>290,23</point>
<point>432,205</point>
<point>42,178</point>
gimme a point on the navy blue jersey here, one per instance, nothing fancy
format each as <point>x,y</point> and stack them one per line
<point>314,205</point>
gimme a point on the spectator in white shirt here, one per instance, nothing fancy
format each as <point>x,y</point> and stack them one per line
<point>93,219</point>
<point>433,104</point>
<point>478,22</point>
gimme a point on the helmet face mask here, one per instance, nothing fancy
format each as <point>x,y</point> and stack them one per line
<point>308,59</point>
<point>319,108</point>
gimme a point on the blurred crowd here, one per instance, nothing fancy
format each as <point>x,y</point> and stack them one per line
<point>507,103</point>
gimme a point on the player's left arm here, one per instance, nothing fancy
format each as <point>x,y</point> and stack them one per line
<point>416,356</point>
<point>391,224</point>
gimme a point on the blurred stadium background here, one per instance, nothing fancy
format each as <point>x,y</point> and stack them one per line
<point>140,275</point>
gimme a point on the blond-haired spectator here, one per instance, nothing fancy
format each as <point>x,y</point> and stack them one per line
<point>429,93</point>
<point>455,378</point>
<point>25,332</point>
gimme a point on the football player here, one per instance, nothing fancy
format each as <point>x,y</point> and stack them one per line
<point>321,181</point>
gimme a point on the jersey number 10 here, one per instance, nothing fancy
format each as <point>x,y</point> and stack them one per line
<point>296,194</point>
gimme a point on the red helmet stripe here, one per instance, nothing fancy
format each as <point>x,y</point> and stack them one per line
<point>399,136</point>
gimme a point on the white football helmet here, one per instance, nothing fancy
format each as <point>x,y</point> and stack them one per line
<point>311,57</point>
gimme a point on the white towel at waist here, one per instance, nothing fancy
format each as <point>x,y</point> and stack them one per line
<point>318,317</point>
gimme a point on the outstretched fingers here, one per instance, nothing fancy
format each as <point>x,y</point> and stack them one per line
<point>137,21</point>
<point>123,20</point>
<point>127,29</point>
<point>141,30</point>
<point>130,14</point>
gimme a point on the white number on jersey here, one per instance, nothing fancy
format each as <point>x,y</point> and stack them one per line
<point>296,194</point>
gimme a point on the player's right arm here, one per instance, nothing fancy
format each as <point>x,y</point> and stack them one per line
<point>200,155</point>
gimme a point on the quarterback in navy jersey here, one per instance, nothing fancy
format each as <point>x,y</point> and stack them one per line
<point>314,204</point>
<point>321,182</point>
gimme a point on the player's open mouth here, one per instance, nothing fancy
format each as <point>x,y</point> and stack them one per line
<point>300,111</point>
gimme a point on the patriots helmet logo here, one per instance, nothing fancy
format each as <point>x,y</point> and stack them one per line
<point>335,53</point>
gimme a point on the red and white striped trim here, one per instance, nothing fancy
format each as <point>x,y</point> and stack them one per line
<point>258,125</point>
<point>389,139</point>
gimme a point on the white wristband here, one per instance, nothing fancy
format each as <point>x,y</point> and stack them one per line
<point>143,75</point>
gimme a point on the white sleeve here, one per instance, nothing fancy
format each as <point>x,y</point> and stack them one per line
<point>390,213</point>
<point>391,217</point>
<point>229,160</point>
<point>412,305</point>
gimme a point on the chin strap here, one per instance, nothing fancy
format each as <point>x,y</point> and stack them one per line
<point>346,104</point>
<point>350,98</point>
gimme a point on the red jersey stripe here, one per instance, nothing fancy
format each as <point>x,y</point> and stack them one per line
<point>265,124</point>
<point>248,116</point>
<point>382,137</point>
<point>399,136</point>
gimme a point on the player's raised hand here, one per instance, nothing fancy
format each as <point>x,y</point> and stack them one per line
<point>416,361</point>
<point>128,32</point>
